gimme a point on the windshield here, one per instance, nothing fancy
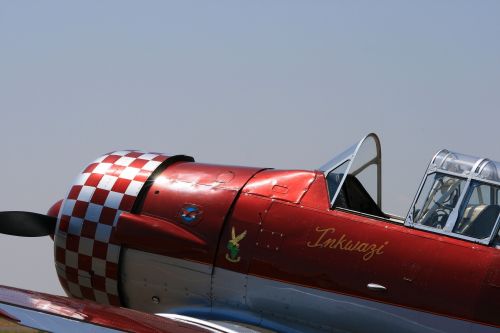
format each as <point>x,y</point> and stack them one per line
<point>437,199</point>
<point>354,176</point>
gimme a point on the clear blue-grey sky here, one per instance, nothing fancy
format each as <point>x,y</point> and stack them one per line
<point>283,84</point>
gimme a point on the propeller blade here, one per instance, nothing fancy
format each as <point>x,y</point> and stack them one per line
<point>26,224</point>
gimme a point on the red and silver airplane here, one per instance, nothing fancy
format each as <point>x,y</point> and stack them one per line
<point>216,248</point>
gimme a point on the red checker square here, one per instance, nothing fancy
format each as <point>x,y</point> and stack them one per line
<point>87,293</point>
<point>107,215</point>
<point>72,274</point>
<point>111,159</point>
<point>121,185</point>
<point>90,168</point>
<point>100,250</point>
<point>64,224</point>
<point>72,242</point>
<point>94,179</point>
<point>160,158</point>
<point>142,176</point>
<point>138,163</point>
<point>127,202</point>
<point>113,239</point>
<point>89,229</point>
<point>60,255</point>
<point>84,262</point>
<point>115,170</point>
<point>111,270</point>
<point>74,192</point>
<point>114,300</point>
<point>134,154</point>
<point>80,209</point>
<point>99,196</point>
<point>98,282</point>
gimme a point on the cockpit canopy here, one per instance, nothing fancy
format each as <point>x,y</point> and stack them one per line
<point>354,177</point>
<point>459,196</point>
<point>464,164</point>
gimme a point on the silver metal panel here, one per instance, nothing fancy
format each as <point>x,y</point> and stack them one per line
<point>229,289</point>
<point>276,305</point>
<point>206,325</point>
<point>155,283</point>
<point>331,312</point>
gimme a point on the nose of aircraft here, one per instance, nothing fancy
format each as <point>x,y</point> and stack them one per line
<point>54,209</point>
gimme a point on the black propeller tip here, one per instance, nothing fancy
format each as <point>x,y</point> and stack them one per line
<point>26,224</point>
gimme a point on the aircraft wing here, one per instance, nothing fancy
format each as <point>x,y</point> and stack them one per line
<point>21,310</point>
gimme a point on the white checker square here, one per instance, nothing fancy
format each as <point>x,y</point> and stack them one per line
<point>124,161</point>
<point>148,156</point>
<point>99,266</point>
<point>113,254</point>
<point>111,286</point>
<point>68,206</point>
<point>121,152</point>
<point>133,188</point>
<point>60,239</point>
<point>113,200</point>
<point>86,193</point>
<point>117,217</point>
<point>102,168</point>
<point>93,212</point>
<point>74,290</point>
<point>151,165</point>
<point>107,182</point>
<point>83,273</point>
<point>129,173</point>
<point>84,281</point>
<point>101,297</point>
<point>86,246</point>
<point>103,232</point>
<point>71,259</point>
<point>82,179</point>
<point>75,226</point>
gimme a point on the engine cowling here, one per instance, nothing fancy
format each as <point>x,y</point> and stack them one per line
<point>128,207</point>
<point>85,247</point>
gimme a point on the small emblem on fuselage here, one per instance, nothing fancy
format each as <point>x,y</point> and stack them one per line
<point>190,213</point>
<point>233,246</point>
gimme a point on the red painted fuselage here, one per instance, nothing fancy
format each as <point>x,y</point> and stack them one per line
<point>278,226</point>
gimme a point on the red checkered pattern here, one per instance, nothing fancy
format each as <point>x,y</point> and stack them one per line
<point>86,253</point>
